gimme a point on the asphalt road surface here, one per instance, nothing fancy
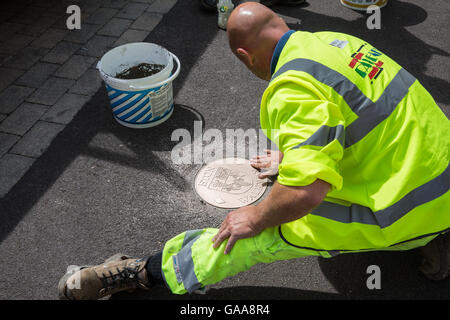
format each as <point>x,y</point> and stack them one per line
<point>101,188</point>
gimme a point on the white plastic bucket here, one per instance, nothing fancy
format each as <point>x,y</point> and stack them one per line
<point>362,5</point>
<point>143,102</point>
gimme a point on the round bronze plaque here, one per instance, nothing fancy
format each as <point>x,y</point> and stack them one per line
<point>229,183</point>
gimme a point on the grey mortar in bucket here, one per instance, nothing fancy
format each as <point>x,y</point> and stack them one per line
<point>141,70</point>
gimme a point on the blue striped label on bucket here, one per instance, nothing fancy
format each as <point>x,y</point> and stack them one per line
<point>141,107</point>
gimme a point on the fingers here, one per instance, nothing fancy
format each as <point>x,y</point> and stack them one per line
<point>260,164</point>
<point>265,175</point>
<point>260,159</point>
<point>267,169</point>
<point>220,237</point>
<point>268,157</point>
<point>263,156</point>
<point>230,244</point>
<point>222,226</point>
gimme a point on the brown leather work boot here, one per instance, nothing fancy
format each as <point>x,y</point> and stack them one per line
<point>436,258</point>
<point>118,273</point>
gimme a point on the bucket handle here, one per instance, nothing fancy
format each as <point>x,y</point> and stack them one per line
<point>161,83</point>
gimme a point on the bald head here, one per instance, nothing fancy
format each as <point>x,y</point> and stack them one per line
<point>253,32</point>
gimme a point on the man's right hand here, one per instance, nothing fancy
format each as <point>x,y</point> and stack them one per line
<point>267,163</point>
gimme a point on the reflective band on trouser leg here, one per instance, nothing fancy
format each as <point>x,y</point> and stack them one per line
<point>190,262</point>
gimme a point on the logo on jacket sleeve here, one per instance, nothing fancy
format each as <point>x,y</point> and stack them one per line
<point>367,64</point>
<point>339,43</point>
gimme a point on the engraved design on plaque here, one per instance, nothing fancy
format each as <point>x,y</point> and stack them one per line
<point>229,183</point>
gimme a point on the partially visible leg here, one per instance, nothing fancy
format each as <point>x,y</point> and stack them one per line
<point>189,261</point>
<point>436,258</point>
<point>153,267</point>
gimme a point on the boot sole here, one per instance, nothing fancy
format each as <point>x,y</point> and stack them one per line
<point>436,277</point>
<point>444,270</point>
<point>63,281</point>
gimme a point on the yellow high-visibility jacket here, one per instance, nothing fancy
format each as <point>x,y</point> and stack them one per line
<point>342,111</point>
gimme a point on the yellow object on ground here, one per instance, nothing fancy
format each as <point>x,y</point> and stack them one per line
<point>362,5</point>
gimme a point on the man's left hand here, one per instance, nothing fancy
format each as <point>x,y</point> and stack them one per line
<point>239,224</point>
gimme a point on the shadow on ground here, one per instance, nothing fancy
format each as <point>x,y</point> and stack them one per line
<point>234,293</point>
<point>400,278</point>
<point>96,117</point>
<point>393,38</point>
<point>348,273</point>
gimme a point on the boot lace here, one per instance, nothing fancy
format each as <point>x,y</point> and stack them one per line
<point>127,277</point>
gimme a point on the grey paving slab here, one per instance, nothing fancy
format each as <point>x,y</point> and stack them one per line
<point>115,27</point>
<point>161,6</point>
<point>118,4</point>
<point>3,57</point>
<point>23,118</point>
<point>5,15</point>
<point>97,46</point>
<point>75,67</point>
<point>88,7</point>
<point>132,35</point>
<point>53,4</point>
<point>84,34</point>
<point>50,38</point>
<point>16,43</point>
<point>7,29</point>
<point>132,10</point>
<point>25,58</point>
<point>12,168</point>
<point>2,117</point>
<point>61,23</point>
<point>66,108</point>
<point>40,25</point>
<point>61,52</point>
<point>6,142</point>
<point>101,16</point>
<point>37,74</point>
<point>37,139</point>
<point>51,91</point>
<point>18,5</point>
<point>147,21</point>
<point>8,76</point>
<point>88,84</point>
<point>144,1</point>
<point>28,15</point>
<point>12,97</point>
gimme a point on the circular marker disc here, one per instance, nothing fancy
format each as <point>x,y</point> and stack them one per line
<point>229,183</point>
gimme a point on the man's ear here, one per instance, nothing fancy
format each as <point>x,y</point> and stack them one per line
<point>244,56</point>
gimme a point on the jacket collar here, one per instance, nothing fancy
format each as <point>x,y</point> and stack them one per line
<point>279,47</point>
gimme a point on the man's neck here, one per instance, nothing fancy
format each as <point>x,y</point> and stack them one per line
<point>278,48</point>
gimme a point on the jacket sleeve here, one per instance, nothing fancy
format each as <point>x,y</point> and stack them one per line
<point>309,130</point>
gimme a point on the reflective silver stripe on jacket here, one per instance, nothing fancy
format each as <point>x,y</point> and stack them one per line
<point>324,135</point>
<point>429,191</point>
<point>370,113</point>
